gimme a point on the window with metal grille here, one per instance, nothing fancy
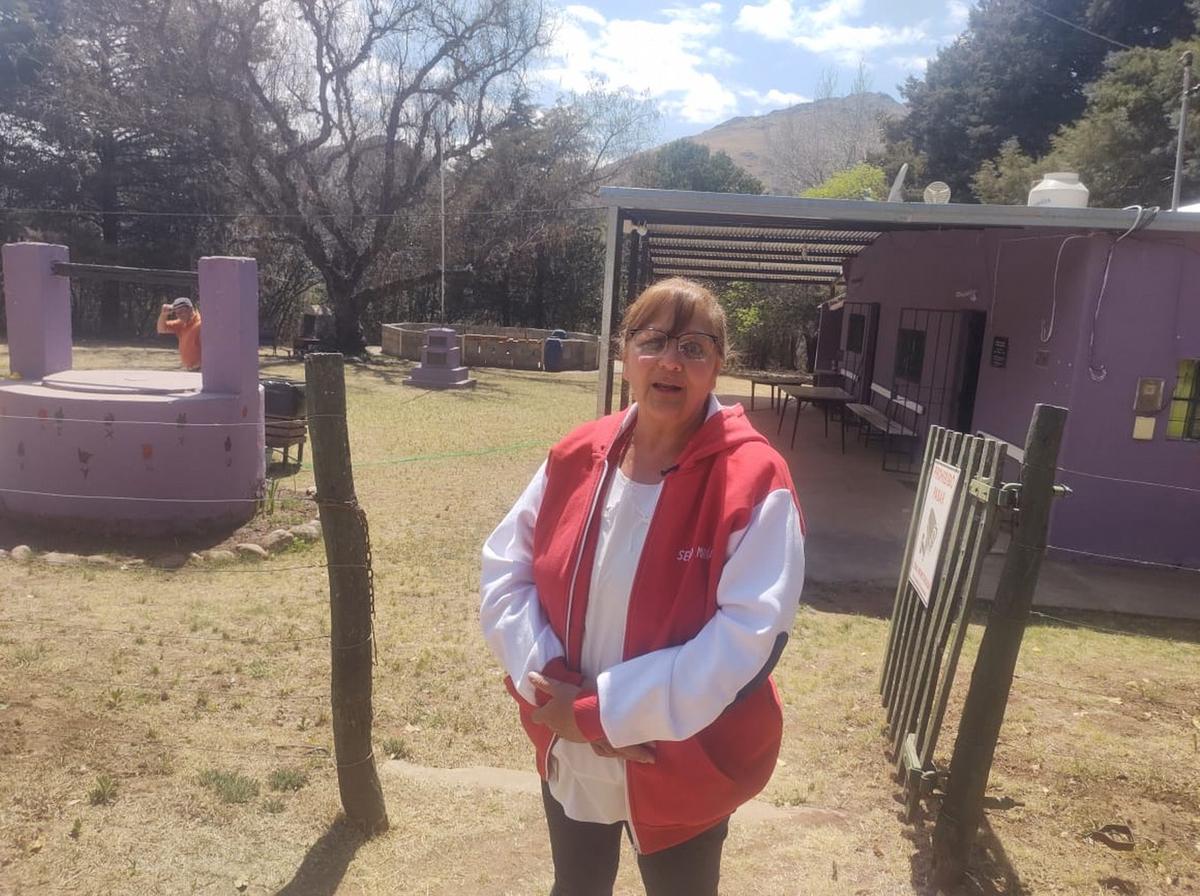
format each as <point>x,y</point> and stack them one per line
<point>854,333</point>
<point>910,355</point>
<point>1184,421</point>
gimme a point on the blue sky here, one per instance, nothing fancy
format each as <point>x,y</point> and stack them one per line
<point>705,62</point>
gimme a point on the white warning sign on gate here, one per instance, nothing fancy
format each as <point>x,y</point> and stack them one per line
<point>931,527</point>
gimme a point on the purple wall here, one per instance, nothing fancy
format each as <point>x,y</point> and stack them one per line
<point>1149,320</point>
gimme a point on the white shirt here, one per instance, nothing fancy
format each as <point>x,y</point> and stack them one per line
<point>591,787</point>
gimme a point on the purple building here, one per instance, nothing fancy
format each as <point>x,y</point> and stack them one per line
<point>966,317</point>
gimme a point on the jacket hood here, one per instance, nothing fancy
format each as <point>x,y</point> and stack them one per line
<point>722,430</point>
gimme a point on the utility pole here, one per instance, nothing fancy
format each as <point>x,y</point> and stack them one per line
<point>1186,59</point>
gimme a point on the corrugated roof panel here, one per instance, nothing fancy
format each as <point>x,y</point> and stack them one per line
<point>744,275</point>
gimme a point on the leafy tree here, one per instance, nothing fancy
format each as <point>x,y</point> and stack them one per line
<point>1016,73</point>
<point>1006,179</point>
<point>1123,145</point>
<point>99,121</point>
<point>684,165</point>
<point>860,182</point>
<point>343,113</point>
<point>522,245</point>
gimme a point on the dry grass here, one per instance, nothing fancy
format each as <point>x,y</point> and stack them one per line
<point>148,680</point>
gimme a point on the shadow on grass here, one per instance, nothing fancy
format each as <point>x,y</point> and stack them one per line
<point>989,872</point>
<point>325,863</point>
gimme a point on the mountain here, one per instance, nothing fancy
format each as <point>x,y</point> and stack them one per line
<point>792,149</point>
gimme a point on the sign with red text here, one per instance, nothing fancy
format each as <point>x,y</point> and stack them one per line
<point>931,527</point>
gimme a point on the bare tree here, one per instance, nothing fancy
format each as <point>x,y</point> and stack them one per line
<point>833,133</point>
<point>342,112</point>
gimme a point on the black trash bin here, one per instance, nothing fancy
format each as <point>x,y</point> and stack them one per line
<point>283,398</point>
<point>552,351</point>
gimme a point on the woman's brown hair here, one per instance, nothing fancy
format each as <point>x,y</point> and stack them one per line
<point>684,300</point>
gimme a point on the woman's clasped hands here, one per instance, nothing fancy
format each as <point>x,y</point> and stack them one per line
<point>558,714</point>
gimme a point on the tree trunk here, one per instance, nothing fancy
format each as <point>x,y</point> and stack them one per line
<point>347,318</point>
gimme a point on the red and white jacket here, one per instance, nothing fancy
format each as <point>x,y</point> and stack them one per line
<point>714,596</point>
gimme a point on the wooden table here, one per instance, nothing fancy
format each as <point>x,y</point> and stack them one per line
<point>776,381</point>
<point>823,396</point>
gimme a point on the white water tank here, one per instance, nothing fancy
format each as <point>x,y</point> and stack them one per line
<point>1059,188</point>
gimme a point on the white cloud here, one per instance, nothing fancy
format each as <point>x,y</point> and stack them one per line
<point>913,65</point>
<point>958,13</point>
<point>828,28</point>
<point>719,56</point>
<point>772,99</point>
<point>664,59</point>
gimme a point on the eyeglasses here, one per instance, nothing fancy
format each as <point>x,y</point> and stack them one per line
<point>694,347</point>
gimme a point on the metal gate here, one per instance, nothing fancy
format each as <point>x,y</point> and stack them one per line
<point>926,636</point>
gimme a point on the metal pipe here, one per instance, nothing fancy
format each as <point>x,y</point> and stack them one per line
<point>128,275</point>
<point>1186,59</point>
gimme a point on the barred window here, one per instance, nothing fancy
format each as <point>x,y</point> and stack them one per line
<point>1184,421</point>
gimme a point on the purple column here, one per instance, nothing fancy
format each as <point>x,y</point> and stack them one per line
<point>38,305</point>
<point>229,325</point>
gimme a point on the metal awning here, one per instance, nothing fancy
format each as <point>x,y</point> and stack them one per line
<point>729,236</point>
<point>780,239</point>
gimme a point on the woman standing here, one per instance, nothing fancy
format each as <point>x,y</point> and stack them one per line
<point>638,594</point>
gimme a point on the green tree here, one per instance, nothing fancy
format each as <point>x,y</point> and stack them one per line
<point>1017,73</point>
<point>860,182</point>
<point>1123,146</point>
<point>101,120</point>
<point>1006,179</point>
<point>684,165</point>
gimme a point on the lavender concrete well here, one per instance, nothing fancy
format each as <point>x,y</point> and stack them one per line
<point>133,450</point>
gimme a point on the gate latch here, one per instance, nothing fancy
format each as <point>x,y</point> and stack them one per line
<point>1006,496</point>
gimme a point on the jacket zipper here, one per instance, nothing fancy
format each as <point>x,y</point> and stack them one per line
<point>637,574</point>
<point>579,554</point>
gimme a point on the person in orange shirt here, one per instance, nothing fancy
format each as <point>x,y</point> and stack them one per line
<point>186,326</point>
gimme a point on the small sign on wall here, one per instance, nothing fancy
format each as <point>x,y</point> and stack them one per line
<point>1150,392</point>
<point>1000,351</point>
<point>931,527</point>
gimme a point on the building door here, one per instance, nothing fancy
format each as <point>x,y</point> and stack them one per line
<point>829,340</point>
<point>973,325</point>
<point>860,328</point>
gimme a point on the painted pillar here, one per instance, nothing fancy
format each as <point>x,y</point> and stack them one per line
<point>38,305</point>
<point>229,325</point>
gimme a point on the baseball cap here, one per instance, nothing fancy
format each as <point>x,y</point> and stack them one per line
<point>181,302</point>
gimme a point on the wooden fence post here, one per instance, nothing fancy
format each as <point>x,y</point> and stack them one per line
<point>351,597</point>
<point>991,680</point>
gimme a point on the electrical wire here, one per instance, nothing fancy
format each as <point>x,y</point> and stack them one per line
<point>1070,24</point>
<point>1098,372</point>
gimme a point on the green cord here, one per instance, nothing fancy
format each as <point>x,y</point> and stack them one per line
<point>504,449</point>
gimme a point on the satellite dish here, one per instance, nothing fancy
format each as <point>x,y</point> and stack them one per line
<point>937,193</point>
<point>896,194</point>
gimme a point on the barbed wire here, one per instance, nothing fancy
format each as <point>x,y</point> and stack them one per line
<point>1096,628</point>
<point>1167,485</point>
<point>153,633</point>
<point>410,214</point>
<point>1119,559</point>
<point>163,687</point>
<point>177,424</point>
<point>1109,698</point>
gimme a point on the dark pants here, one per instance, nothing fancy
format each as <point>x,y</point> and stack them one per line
<point>586,856</point>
